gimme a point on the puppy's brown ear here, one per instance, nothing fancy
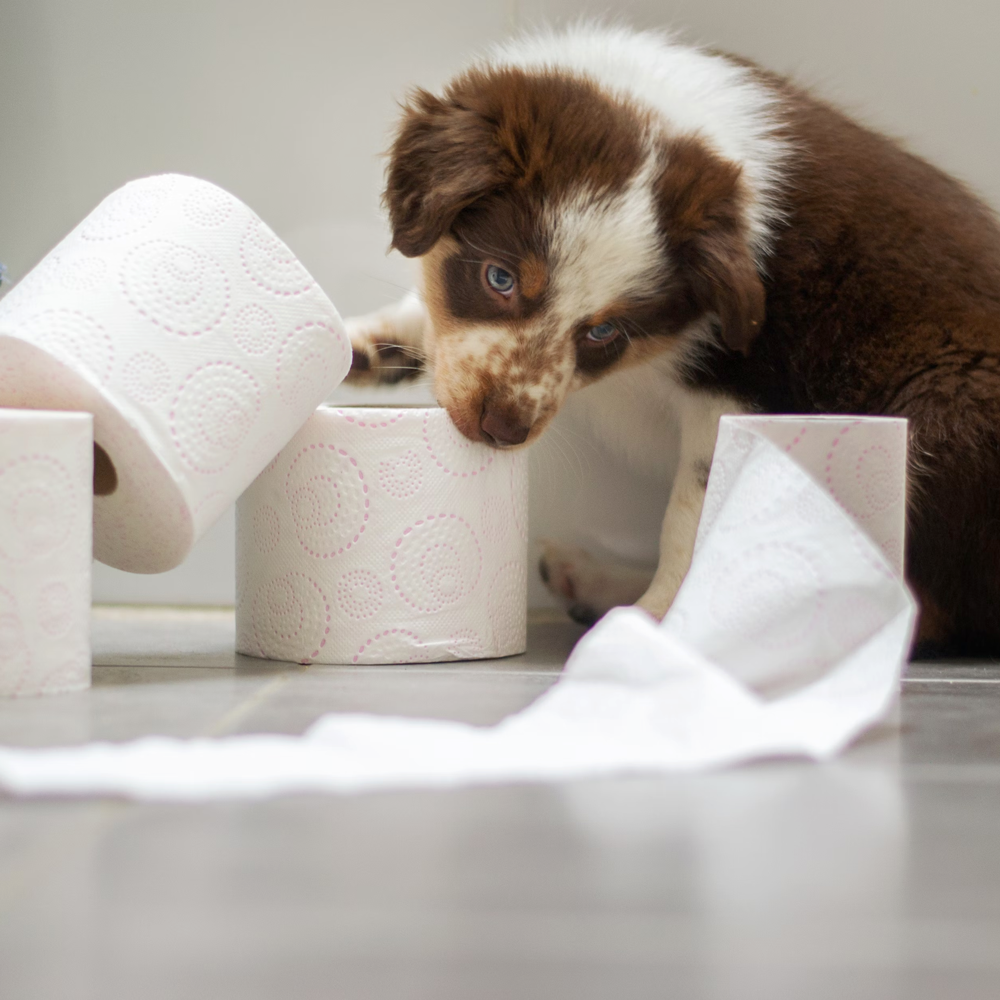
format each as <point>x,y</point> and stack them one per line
<point>444,158</point>
<point>700,202</point>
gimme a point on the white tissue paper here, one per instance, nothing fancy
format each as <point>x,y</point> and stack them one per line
<point>787,638</point>
<point>197,340</point>
<point>46,482</point>
<point>383,536</point>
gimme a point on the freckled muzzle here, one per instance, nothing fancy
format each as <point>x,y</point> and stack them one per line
<point>500,385</point>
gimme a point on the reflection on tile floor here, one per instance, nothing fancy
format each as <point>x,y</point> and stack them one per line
<point>875,876</point>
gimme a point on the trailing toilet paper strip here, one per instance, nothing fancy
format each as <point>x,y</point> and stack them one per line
<point>46,476</point>
<point>383,536</point>
<point>636,696</point>
<point>197,340</point>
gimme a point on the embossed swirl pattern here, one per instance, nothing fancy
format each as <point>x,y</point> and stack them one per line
<point>436,562</point>
<point>328,498</point>
<point>179,288</point>
<point>213,413</point>
<point>36,506</point>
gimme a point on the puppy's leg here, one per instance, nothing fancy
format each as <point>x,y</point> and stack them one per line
<point>699,419</point>
<point>590,588</point>
<point>388,344</point>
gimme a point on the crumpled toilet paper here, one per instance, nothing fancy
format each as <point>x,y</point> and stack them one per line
<point>383,536</point>
<point>46,473</point>
<point>787,638</point>
<point>195,338</point>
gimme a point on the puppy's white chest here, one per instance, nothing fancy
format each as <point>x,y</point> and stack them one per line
<point>634,414</point>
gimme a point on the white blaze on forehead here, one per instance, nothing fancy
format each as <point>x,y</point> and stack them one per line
<point>604,248</point>
<point>696,93</point>
<point>525,366</point>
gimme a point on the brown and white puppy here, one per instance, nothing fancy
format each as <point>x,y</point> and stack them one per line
<point>681,234</point>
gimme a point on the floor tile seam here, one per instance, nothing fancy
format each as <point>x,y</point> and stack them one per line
<point>237,713</point>
<point>951,680</point>
<point>327,669</point>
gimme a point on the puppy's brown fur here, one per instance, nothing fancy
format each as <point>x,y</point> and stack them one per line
<point>877,290</point>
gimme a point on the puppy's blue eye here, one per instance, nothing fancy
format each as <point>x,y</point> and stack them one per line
<point>602,334</point>
<point>500,280</point>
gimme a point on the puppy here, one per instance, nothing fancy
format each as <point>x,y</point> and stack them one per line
<point>679,234</point>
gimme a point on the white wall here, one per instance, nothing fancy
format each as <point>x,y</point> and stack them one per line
<point>288,105</point>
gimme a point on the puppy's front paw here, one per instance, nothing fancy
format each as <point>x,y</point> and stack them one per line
<point>589,588</point>
<point>380,354</point>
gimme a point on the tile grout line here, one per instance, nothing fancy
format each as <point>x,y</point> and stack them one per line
<point>951,680</point>
<point>239,712</point>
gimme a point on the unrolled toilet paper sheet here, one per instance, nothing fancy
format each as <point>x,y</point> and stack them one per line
<point>46,477</point>
<point>383,536</point>
<point>176,317</point>
<point>787,638</point>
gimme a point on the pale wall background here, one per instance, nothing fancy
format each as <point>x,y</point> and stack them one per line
<point>288,105</point>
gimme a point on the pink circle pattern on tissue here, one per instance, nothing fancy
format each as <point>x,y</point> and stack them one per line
<point>15,656</point>
<point>266,528</point>
<point>180,289</point>
<point>54,609</point>
<point>213,413</point>
<point>402,476</point>
<point>436,562</point>
<point>36,506</point>
<point>208,207</point>
<point>451,452</point>
<point>291,615</point>
<point>125,212</point>
<point>255,329</point>
<point>394,645</point>
<point>505,606</point>
<point>359,594</point>
<point>465,644</point>
<point>307,363</point>
<point>270,264</point>
<point>753,595</point>
<point>870,476</point>
<point>369,423</point>
<point>72,337</point>
<point>146,377</point>
<point>328,498</point>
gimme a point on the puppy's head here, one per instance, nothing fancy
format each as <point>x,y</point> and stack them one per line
<point>564,233</point>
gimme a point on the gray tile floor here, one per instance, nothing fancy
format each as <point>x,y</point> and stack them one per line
<point>877,876</point>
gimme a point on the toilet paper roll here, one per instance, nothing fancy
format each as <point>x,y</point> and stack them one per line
<point>383,536</point>
<point>46,470</point>
<point>195,338</point>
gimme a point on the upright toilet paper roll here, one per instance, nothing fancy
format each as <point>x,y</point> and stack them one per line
<point>383,536</point>
<point>197,340</point>
<point>46,475</point>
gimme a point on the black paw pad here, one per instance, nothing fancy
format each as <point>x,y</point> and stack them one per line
<point>582,614</point>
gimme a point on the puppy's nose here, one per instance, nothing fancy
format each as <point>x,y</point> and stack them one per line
<point>502,426</point>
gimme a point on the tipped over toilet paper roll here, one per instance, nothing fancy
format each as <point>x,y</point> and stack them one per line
<point>383,536</point>
<point>195,338</point>
<point>46,476</point>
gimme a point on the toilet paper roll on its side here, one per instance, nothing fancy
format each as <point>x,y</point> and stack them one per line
<point>383,536</point>
<point>195,338</point>
<point>46,507</point>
